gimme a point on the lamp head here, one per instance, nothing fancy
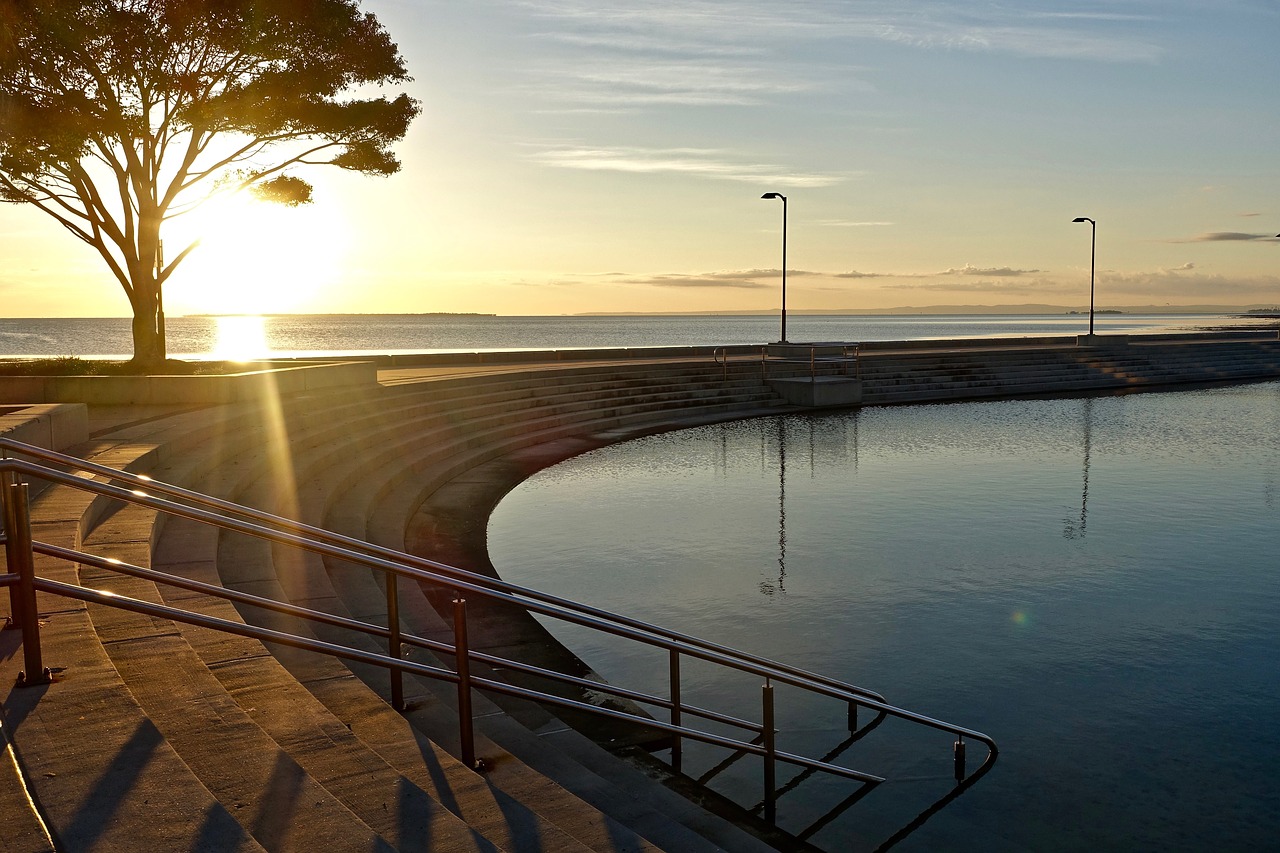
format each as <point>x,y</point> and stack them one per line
<point>1083,219</point>
<point>774,195</point>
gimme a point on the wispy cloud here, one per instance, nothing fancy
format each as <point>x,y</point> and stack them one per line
<point>694,281</point>
<point>1225,237</point>
<point>688,83</point>
<point>1004,287</point>
<point>1173,284</point>
<point>849,223</point>
<point>756,278</point>
<point>1112,36</point>
<point>696,162</point>
<point>967,269</point>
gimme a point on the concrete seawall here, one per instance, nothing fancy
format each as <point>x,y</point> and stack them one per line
<point>414,460</point>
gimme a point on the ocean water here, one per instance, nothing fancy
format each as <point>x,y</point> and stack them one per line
<point>1089,581</point>
<point>308,335</point>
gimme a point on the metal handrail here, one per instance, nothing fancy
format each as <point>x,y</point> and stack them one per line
<point>331,544</point>
<point>721,357</point>
<point>284,638</point>
<point>813,360</point>
<point>444,574</point>
<point>234,517</point>
<point>121,567</point>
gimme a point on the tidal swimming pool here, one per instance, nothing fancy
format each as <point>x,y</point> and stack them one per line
<point>1092,582</point>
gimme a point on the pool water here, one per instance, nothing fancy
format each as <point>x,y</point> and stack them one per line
<point>1092,582</point>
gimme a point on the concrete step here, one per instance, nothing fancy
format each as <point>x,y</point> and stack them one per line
<point>247,736</point>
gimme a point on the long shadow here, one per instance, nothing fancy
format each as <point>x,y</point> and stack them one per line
<point>98,809</point>
<point>522,823</point>
<point>219,831</point>
<point>10,639</point>
<point>279,803</point>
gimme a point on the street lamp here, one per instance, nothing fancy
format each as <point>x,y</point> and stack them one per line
<point>783,340</point>
<point>1093,254</point>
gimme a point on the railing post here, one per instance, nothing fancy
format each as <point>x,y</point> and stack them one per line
<point>393,639</point>
<point>959,758</point>
<point>853,716</point>
<point>462,650</point>
<point>770,757</point>
<point>677,752</point>
<point>15,605</point>
<point>20,560</point>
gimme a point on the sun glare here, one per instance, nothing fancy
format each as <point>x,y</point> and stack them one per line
<point>241,338</point>
<point>256,257</point>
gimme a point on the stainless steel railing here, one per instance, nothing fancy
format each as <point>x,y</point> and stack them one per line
<point>175,501</point>
<point>819,359</point>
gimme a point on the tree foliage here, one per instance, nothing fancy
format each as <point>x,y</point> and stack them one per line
<point>117,116</point>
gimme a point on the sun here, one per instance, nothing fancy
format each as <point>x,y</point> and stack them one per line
<point>255,257</point>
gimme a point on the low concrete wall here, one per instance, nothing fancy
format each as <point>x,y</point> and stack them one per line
<point>253,384</point>
<point>445,359</point>
<point>819,391</point>
<point>53,426</point>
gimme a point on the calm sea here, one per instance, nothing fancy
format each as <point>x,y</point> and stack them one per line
<point>304,335</point>
<point>1092,582</point>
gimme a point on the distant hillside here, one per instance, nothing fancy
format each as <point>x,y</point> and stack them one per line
<point>950,309</point>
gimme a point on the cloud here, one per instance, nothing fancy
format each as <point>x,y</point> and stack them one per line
<point>756,278</point>
<point>988,28</point>
<point>696,162</point>
<point>848,223</point>
<point>1225,237</point>
<point>856,274</point>
<point>1168,285</point>
<point>968,269</point>
<point>709,280</point>
<point>1030,287</point>
<point>680,83</point>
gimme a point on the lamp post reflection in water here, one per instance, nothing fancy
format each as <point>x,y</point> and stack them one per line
<point>1074,530</point>
<point>769,587</point>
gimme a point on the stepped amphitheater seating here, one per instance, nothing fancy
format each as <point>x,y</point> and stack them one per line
<point>240,748</point>
<point>917,377</point>
<point>239,745</point>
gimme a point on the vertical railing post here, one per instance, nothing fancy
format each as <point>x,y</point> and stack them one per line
<point>853,716</point>
<point>20,560</point>
<point>394,648</point>
<point>770,757</point>
<point>462,650</point>
<point>677,751</point>
<point>6,505</point>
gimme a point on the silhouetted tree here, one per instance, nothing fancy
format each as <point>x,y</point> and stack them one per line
<point>118,115</point>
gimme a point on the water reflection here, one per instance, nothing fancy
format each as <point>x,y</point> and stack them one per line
<point>1074,529</point>
<point>1132,537</point>
<point>241,338</point>
<point>770,587</point>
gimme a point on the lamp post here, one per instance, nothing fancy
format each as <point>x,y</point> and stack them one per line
<point>783,339</point>
<point>1093,254</point>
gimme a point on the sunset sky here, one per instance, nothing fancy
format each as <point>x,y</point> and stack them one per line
<point>590,155</point>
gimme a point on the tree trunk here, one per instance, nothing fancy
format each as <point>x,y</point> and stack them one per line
<point>148,346</point>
